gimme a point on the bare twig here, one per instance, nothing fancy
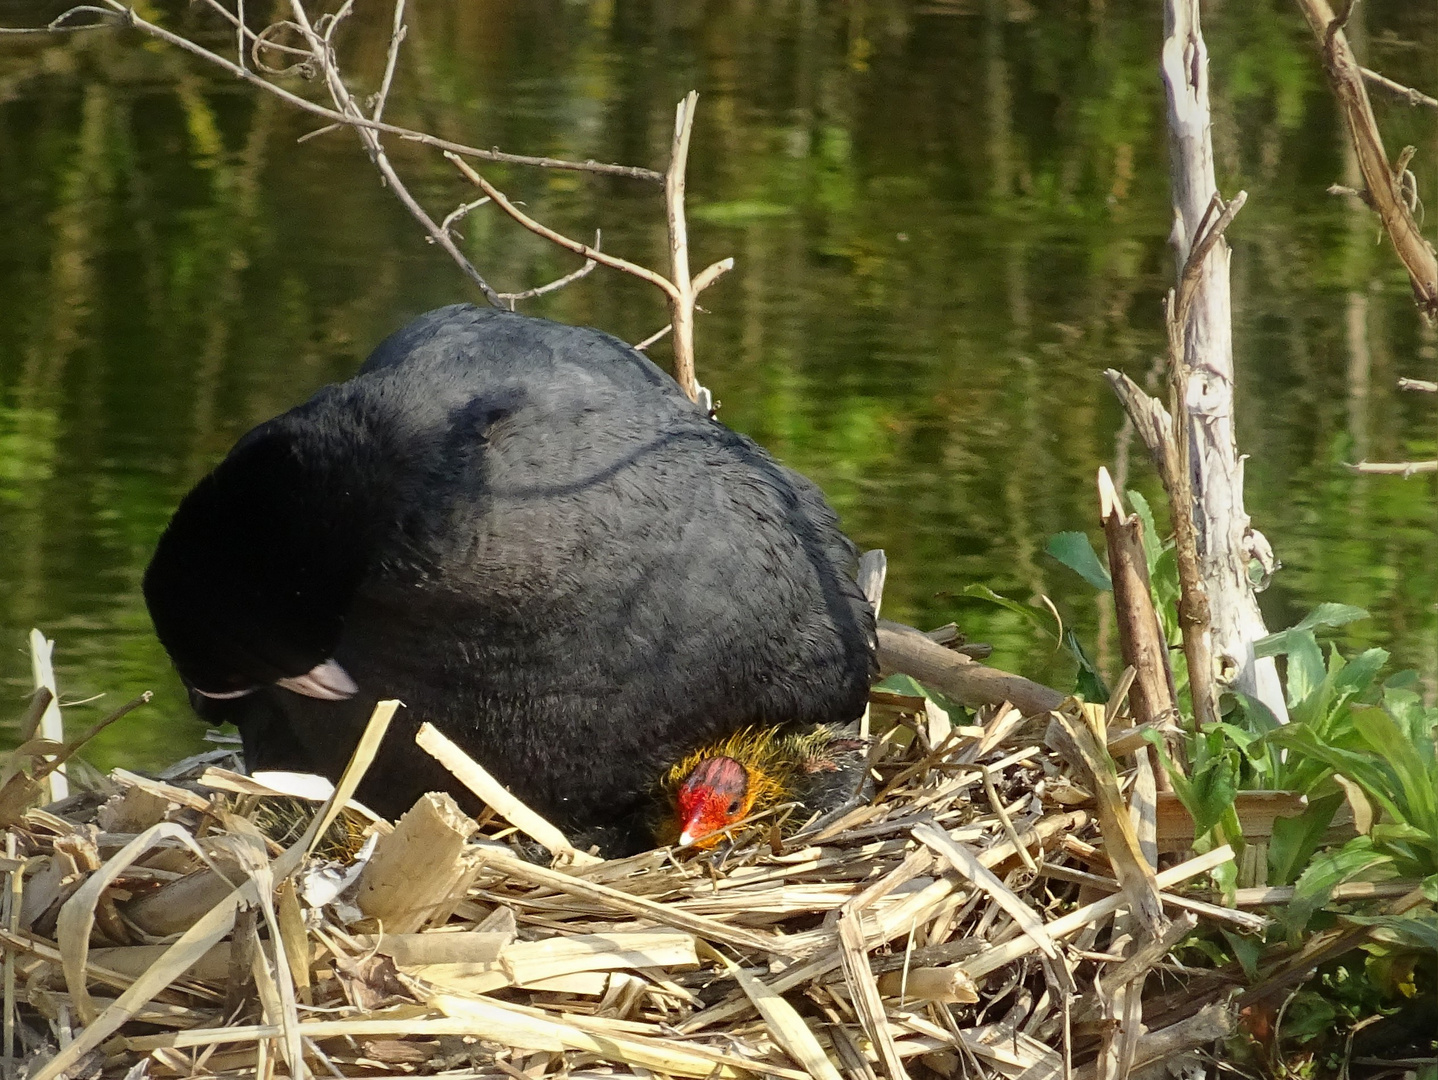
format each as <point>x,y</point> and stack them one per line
<point>659,281</point>
<point>240,32</point>
<point>681,298</point>
<point>119,14</point>
<point>458,212</point>
<point>1407,93</point>
<point>558,283</point>
<point>652,338</point>
<point>1421,385</point>
<point>396,38</point>
<point>60,24</point>
<point>323,54</point>
<point>904,649</point>
<point>1383,182</point>
<point>1205,240</point>
<point>1395,468</point>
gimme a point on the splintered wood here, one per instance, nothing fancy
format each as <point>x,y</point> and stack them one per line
<point>989,912</point>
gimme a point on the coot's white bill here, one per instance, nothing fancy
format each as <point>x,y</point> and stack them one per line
<point>327,681</point>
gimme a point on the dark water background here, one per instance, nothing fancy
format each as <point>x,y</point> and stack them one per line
<point>947,217</point>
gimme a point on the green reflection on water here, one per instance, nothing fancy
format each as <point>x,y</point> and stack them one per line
<point>947,218</point>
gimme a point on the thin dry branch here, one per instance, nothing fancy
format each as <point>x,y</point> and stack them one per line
<point>659,281</point>
<point>322,54</point>
<point>556,284</point>
<point>1395,468</point>
<point>680,293</point>
<point>1383,181</point>
<point>681,299</point>
<point>118,14</point>
<point>1407,93</point>
<point>904,649</point>
<point>396,38</point>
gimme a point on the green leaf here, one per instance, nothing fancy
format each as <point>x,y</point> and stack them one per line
<point>1331,868</point>
<point>899,683</point>
<point>1034,615</point>
<point>1247,950</point>
<point>909,686</point>
<point>1214,785</point>
<point>1360,672</point>
<point>1417,777</point>
<point>1306,671</point>
<point>1074,551</point>
<point>1088,683</point>
<point>1152,545</point>
<point>1329,615</point>
<point>1417,931</point>
<point>1308,1016</point>
<point>1295,839</point>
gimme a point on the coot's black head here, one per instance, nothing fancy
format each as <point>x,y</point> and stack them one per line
<point>251,579</point>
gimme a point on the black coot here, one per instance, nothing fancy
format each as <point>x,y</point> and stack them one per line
<point>526,533</point>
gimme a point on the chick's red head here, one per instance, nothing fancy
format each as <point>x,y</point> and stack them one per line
<point>715,794</point>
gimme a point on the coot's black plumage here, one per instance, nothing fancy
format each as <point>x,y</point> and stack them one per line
<point>526,533</point>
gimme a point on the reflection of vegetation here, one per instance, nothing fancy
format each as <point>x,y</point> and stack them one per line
<point>945,227</point>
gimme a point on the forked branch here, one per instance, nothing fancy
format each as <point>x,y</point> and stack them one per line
<point>1383,181</point>
<point>680,290</point>
<point>306,47</point>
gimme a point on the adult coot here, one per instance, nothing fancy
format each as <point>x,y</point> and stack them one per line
<point>526,533</point>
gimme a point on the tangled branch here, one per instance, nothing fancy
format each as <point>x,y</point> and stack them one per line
<point>301,46</point>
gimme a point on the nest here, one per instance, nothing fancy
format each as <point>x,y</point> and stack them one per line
<point>994,910</point>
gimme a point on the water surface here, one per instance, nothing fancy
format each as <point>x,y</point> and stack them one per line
<point>947,219</point>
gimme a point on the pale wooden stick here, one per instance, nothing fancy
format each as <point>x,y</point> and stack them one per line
<point>496,796</point>
<point>681,298</point>
<point>52,727</point>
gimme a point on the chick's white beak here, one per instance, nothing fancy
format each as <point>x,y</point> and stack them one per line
<point>686,838</point>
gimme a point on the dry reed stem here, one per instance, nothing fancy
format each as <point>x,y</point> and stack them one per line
<point>498,798</point>
<point>843,940</point>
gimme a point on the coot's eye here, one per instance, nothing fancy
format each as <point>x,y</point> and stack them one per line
<point>734,807</point>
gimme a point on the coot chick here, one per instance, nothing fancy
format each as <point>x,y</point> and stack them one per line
<point>530,536</point>
<point>819,771</point>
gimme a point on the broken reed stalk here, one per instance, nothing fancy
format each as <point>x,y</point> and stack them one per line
<point>497,797</point>
<point>1383,182</point>
<point>1152,697</point>
<point>51,726</point>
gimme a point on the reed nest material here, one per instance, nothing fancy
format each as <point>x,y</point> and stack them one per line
<point>996,910</point>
